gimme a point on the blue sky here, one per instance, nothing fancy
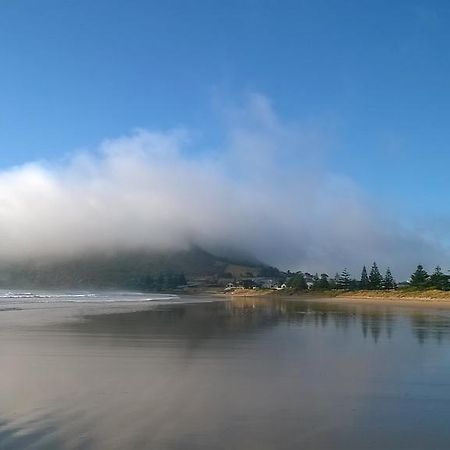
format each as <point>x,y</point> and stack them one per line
<point>373,76</point>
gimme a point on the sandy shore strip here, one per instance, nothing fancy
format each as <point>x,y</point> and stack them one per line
<point>403,298</point>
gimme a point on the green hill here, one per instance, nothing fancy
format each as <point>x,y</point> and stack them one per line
<point>142,270</point>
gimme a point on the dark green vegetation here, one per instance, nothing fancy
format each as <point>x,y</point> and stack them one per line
<point>437,280</point>
<point>197,268</point>
<point>139,270</point>
<point>374,280</point>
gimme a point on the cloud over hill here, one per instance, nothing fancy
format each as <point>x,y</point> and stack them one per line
<point>266,191</point>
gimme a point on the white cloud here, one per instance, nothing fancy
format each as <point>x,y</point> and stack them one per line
<point>265,192</point>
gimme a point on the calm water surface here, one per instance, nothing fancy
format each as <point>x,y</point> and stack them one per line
<point>172,373</point>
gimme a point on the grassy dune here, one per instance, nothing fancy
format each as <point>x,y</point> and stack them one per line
<point>404,294</point>
<point>398,294</point>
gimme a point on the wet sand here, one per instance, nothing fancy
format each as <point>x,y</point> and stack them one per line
<point>366,297</point>
<point>245,374</point>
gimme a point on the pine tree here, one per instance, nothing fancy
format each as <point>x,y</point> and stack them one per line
<point>439,280</point>
<point>375,278</point>
<point>420,277</point>
<point>364,283</point>
<point>389,282</point>
<point>345,280</point>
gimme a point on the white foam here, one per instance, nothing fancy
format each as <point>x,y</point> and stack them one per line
<point>82,297</point>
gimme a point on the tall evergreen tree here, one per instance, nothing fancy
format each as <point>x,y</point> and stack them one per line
<point>420,277</point>
<point>375,278</point>
<point>389,282</point>
<point>345,280</point>
<point>439,280</point>
<point>364,283</point>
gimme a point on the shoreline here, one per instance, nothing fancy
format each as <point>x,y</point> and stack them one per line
<point>429,298</point>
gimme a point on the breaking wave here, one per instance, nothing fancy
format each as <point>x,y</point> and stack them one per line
<point>82,297</point>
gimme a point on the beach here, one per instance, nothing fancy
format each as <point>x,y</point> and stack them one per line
<point>430,298</point>
<point>118,371</point>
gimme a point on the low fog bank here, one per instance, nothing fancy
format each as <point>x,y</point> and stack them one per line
<point>266,192</point>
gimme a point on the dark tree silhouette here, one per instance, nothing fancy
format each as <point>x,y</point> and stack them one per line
<point>389,282</point>
<point>439,280</point>
<point>323,282</point>
<point>420,277</point>
<point>345,280</point>
<point>375,278</point>
<point>297,282</point>
<point>364,283</point>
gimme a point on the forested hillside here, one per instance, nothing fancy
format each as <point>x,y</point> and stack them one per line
<point>140,270</point>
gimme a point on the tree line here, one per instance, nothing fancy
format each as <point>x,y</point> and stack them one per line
<point>159,282</point>
<point>373,280</point>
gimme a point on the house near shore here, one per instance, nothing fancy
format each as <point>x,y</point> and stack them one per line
<point>247,283</point>
<point>266,283</point>
<point>230,287</point>
<point>257,282</point>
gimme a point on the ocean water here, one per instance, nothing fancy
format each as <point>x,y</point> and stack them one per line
<point>116,370</point>
<point>8,297</point>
